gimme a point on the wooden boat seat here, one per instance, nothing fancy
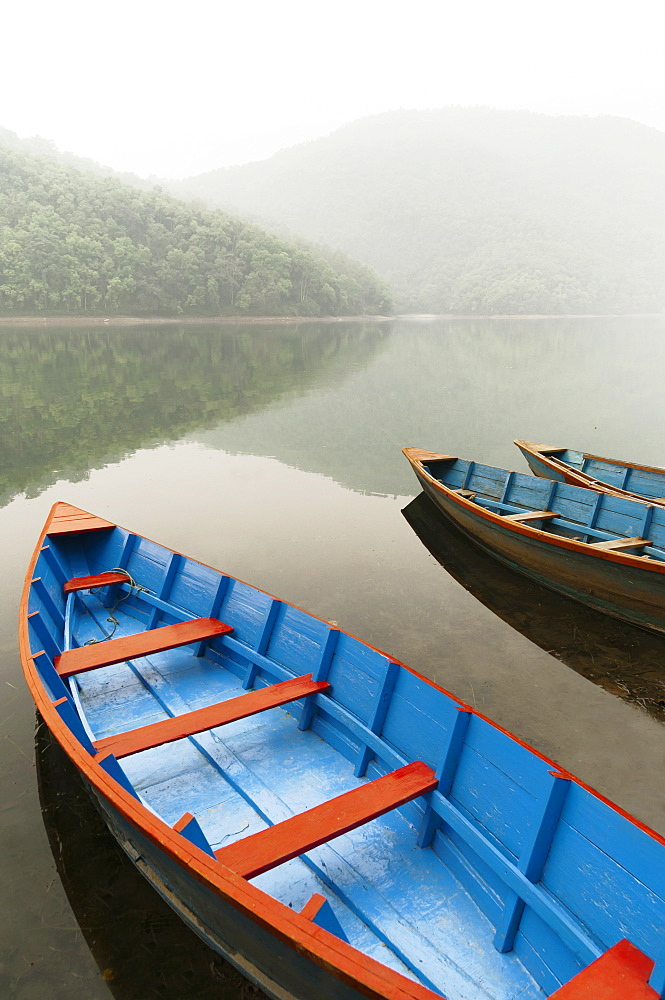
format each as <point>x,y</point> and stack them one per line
<point>621,973</point>
<point>201,719</point>
<point>532,515</point>
<point>617,544</point>
<point>269,848</point>
<point>90,582</point>
<point>130,647</point>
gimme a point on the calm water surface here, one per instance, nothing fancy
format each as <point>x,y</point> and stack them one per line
<point>274,453</point>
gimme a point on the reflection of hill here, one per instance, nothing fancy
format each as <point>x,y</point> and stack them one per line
<point>624,660</point>
<point>141,946</point>
<point>71,400</point>
<point>472,386</point>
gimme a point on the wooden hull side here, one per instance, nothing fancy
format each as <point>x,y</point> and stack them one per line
<point>547,470</point>
<point>626,592</point>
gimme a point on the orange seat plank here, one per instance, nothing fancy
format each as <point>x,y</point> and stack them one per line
<point>621,973</point>
<point>87,582</point>
<point>102,654</point>
<point>209,717</point>
<point>294,836</point>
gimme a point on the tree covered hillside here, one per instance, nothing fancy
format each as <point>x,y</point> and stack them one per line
<point>475,210</point>
<point>72,242</point>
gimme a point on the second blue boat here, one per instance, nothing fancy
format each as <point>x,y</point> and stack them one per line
<point>603,550</point>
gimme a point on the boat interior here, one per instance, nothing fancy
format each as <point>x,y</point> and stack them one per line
<point>453,863</point>
<point>601,520</point>
<point>618,475</point>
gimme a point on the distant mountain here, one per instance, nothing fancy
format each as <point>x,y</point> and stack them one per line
<point>77,243</point>
<point>36,145</point>
<point>474,210</point>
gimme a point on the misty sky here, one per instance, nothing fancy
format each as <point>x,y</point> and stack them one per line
<point>175,90</point>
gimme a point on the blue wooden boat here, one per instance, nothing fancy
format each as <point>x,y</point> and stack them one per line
<point>603,550</point>
<point>605,475</point>
<point>334,824</point>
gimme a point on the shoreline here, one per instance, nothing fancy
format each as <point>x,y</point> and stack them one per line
<point>180,321</point>
<point>47,321</point>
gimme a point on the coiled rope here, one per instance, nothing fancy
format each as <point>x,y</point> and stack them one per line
<point>134,588</point>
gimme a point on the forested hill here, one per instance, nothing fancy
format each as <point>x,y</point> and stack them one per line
<point>475,210</point>
<point>76,243</point>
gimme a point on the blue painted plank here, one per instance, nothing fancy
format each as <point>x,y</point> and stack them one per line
<point>53,605</point>
<point>171,570</point>
<point>603,826</point>
<point>262,641</point>
<point>128,543</point>
<point>324,916</point>
<point>319,673</point>
<point>356,673</point>
<point>49,554</point>
<point>43,635</point>
<point>298,639</point>
<point>115,771</point>
<point>377,718</point>
<point>574,870</point>
<point>196,588</point>
<point>208,594</point>
<point>188,827</point>
<point>569,929</point>
<point>532,857</point>
<point>55,686</point>
<point>246,609</point>
<point>71,719</point>
<point>445,772</point>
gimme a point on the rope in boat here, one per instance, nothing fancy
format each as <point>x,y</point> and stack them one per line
<point>134,588</point>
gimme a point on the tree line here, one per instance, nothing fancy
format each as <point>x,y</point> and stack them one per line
<point>75,243</point>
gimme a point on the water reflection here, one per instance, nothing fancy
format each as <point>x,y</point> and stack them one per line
<point>469,388</point>
<point>621,658</point>
<point>142,948</point>
<point>72,400</point>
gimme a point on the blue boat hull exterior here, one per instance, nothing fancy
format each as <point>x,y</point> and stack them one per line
<point>498,877</point>
<point>540,469</point>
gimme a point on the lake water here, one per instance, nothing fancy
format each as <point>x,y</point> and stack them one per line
<point>274,453</point>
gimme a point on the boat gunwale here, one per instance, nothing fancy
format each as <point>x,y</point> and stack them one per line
<point>417,457</point>
<point>340,959</point>
<point>586,481</point>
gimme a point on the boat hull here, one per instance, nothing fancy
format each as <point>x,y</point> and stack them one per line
<point>414,850</point>
<point>610,475</point>
<point>274,966</point>
<point>631,594</point>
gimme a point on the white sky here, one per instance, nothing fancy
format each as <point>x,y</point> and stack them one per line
<point>175,90</point>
